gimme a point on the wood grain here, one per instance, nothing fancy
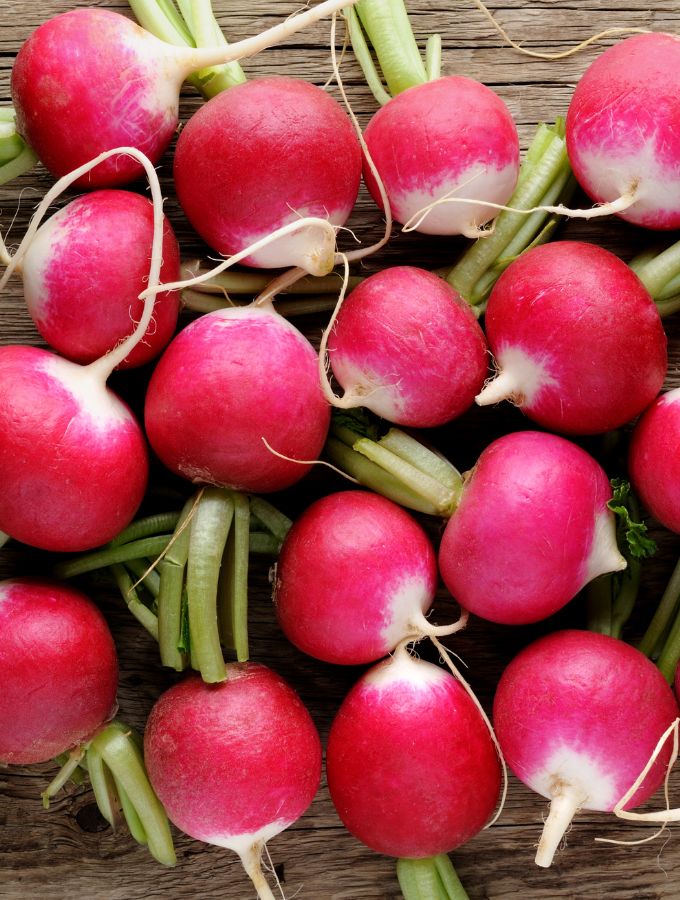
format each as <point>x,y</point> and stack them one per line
<point>70,851</point>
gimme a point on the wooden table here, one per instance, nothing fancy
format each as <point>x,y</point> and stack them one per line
<point>70,851</point>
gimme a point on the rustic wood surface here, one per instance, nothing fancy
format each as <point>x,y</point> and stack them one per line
<point>70,851</point>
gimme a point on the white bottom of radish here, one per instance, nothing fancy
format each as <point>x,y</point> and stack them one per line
<point>408,669</point>
<point>310,247</point>
<point>451,215</point>
<point>94,400</point>
<point>583,774</point>
<point>243,843</point>
<point>520,377</point>
<point>604,554</point>
<point>407,606</point>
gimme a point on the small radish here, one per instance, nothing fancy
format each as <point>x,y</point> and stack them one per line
<point>412,769</point>
<point>227,185</point>
<point>355,577</point>
<point>235,400</point>
<point>235,763</point>
<point>405,346</point>
<point>83,272</point>
<point>532,527</point>
<point>578,341</point>
<point>622,132</point>
<point>578,716</point>
<point>58,669</point>
<point>653,459</point>
<point>89,80</point>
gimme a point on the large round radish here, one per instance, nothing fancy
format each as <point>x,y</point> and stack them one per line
<point>58,670</point>
<point>90,80</point>
<point>577,339</point>
<point>654,461</point>
<point>531,529</point>
<point>83,272</point>
<point>578,716</point>
<point>234,764</point>
<point>411,766</point>
<point>452,137</point>
<point>261,155</point>
<point>234,393</point>
<point>622,128</point>
<point>355,577</point>
<point>407,347</point>
<point>73,457</point>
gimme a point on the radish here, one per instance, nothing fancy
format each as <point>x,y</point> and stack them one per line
<point>532,527</point>
<point>73,457</point>
<point>58,669</point>
<point>578,716</point>
<point>621,128</point>
<point>412,769</point>
<point>653,459</point>
<point>225,180</point>
<point>59,673</point>
<point>578,342</point>
<point>84,269</point>
<point>236,763</point>
<point>406,346</point>
<point>251,406</point>
<point>434,137</point>
<point>89,80</point>
<point>355,577</point>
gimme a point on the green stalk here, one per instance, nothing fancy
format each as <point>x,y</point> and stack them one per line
<point>134,822</point>
<point>149,526</point>
<point>545,179</point>
<point>658,273</point>
<point>72,763</point>
<point>665,613</point>
<point>172,571</point>
<point>209,530</point>
<point>142,571</point>
<point>233,586</point>
<point>387,26</point>
<point>108,556</point>
<point>145,616</point>
<point>193,25</point>
<point>104,787</point>
<point>16,157</point>
<point>264,544</point>
<point>272,518</point>
<point>430,879</point>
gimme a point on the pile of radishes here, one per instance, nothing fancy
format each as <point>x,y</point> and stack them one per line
<point>141,435</point>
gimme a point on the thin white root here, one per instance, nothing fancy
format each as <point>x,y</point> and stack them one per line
<point>309,462</point>
<point>609,32</point>
<point>283,281</point>
<point>347,401</point>
<point>250,859</point>
<point>622,203</point>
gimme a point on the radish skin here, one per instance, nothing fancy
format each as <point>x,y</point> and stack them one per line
<point>540,499</point>
<point>234,764</point>
<point>653,459</point>
<point>578,715</point>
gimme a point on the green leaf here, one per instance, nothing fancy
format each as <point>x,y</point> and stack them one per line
<point>631,533</point>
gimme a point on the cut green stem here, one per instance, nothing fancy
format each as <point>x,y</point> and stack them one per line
<point>664,615</point>
<point>233,585</point>
<point>433,878</point>
<point>145,616</point>
<point>108,556</point>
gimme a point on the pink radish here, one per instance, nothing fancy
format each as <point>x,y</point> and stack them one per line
<point>653,459</point>
<point>412,769</point>
<point>531,529</point>
<point>73,457</point>
<point>405,346</point>
<point>355,577</point>
<point>58,669</point>
<point>83,273</point>
<point>227,185</point>
<point>235,763</point>
<point>622,133</point>
<point>451,137</point>
<point>577,339</point>
<point>251,405</point>
<point>578,715</point>
<point>90,80</point>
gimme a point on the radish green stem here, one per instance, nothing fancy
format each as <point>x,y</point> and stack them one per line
<point>150,546</point>
<point>139,610</point>
<point>16,157</point>
<point>264,544</point>
<point>233,586</point>
<point>209,530</point>
<point>104,787</point>
<point>251,283</point>
<point>657,273</point>
<point>433,878</point>
<point>172,570</point>
<point>545,179</point>
<point>74,759</point>
<point>670,601</point>
<point>146,527</point>
<point>134,823</point>
<point>670,654</point>
<point>389,31</point>
<point>362,52</point>
<point>143,570</point>
<point>272,518</point>
<point>3,538</point>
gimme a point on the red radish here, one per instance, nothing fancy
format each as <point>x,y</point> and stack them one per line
<point>406,346</point>
<point>58,669</point>
<point>355,577</point>
<point>411,766</point>
<point>578,715</point>
<point>451,137</point>
<point>578,341</point>
<point>234,764</point>
<point>234,393</point>
<point>531,529</point>
<point>83,272</point>
<point>622,128</point>
<point>90,80</point>
<point>653,459</point>
<point>225,180</point>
